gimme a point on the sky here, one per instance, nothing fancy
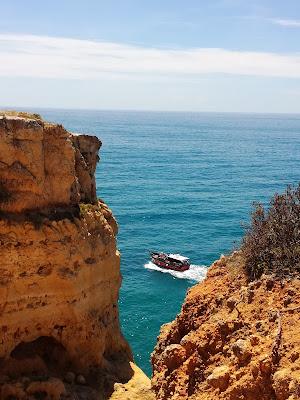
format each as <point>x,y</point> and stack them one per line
<point>167,55</point>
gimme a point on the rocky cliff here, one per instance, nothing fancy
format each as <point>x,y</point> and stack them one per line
<point>233,339</point>
<point>60,269</point>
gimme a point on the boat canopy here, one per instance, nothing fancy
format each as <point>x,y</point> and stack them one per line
<point>178,257</point>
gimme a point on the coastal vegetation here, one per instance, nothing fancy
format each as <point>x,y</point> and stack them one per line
<point>20,114</point>
<point>272,241</point>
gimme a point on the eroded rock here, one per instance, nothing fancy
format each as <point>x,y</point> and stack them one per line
<point>54,388</point>
<point>43,165</point>
<point>281,382</point>
<point>219,377</point>
<point>242,350</point>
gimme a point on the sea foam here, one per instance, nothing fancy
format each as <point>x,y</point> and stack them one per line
<point>195,272</point>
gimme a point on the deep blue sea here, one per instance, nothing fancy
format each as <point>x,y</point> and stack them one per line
<point>181,183</point>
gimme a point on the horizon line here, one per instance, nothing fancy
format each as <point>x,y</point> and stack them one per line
<point>32,108</point>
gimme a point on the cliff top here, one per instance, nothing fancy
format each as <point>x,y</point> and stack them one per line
<point>43,166</point>
<point>20,114</point>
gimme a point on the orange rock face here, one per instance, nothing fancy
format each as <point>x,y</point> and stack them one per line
<point>233,339</point>
<point>60,268</point>
<point>44,166</point>
<point>61,280</point>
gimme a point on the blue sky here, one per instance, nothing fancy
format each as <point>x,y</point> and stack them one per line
<point>213,55</point>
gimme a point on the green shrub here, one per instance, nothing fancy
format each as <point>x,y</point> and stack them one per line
<point>84,208</point>
<point>272,241</point>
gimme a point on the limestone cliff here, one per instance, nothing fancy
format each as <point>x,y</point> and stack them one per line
<point>60,268</point>
<point>233,339</point>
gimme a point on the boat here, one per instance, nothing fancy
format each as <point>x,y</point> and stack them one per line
<point>175,262</point>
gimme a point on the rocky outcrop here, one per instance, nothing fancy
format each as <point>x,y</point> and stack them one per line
<point>60,268</point>
<point>233,339</point>
<point>43,166</point>
<point>137,388</point>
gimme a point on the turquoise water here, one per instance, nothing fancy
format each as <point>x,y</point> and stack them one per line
<point>181,183</point>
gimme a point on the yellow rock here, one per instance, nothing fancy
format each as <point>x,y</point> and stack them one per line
<point>137,388</point>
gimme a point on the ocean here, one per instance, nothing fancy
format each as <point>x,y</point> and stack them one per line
<point>181,183</point>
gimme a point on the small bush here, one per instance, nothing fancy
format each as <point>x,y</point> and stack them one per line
<point>272,241</point>
<point>85,208</point>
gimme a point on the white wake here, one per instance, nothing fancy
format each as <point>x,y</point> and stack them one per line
<point>195,272</point>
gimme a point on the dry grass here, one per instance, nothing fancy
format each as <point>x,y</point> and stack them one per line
<point>21,114</point>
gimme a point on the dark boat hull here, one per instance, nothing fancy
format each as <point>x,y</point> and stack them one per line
<point>169,265</point>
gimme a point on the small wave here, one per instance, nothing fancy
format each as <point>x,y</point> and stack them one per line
<point>195,272</point>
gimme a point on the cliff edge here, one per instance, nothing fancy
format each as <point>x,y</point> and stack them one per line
<point>233,339</point>
<point>60,268</point>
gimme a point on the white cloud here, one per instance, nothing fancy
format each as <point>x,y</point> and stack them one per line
<point>52,57</point>
<point>292,23</point>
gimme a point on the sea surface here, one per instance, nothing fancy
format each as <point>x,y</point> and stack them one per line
<point>181,183</point>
